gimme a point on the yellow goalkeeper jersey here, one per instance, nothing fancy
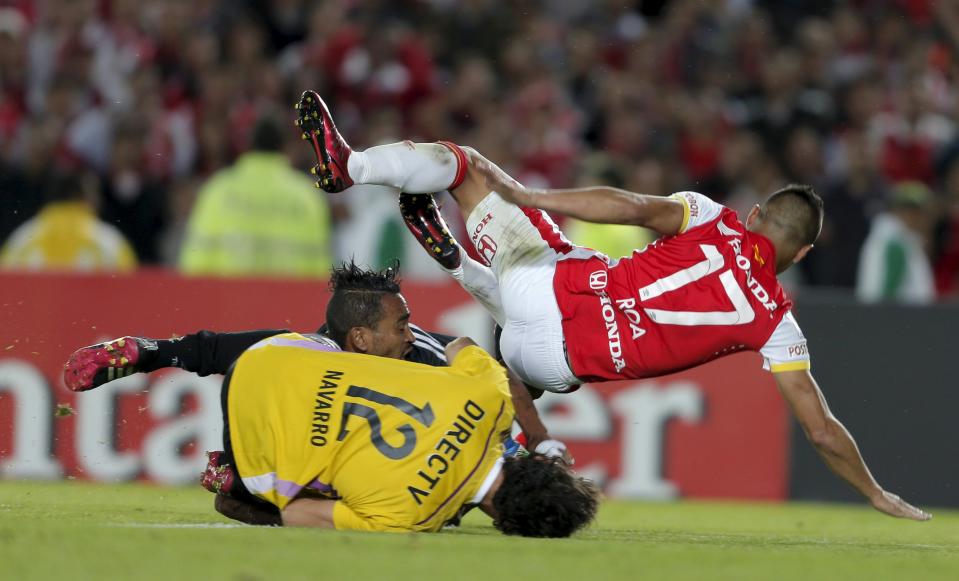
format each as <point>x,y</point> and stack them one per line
<point>402,446</point>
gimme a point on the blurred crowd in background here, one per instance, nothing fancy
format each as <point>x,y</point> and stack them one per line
<point>146,120</point>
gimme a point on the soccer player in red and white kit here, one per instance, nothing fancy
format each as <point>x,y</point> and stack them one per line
<point>569,314</point>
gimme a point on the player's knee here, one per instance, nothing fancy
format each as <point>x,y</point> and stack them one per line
<point>561,388</point>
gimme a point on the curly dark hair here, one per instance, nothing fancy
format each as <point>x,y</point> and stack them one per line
<point>541,497</point>
<point>357,299</point>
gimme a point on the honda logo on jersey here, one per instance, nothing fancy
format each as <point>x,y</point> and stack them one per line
<point>479,227</point>
<point>597,280</point>
<point>612,331</point>
<point>486,247</point>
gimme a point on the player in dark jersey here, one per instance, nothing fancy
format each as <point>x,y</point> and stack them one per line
<point>570,314</point>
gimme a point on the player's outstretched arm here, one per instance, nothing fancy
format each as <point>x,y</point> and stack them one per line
<point>599,204</point>
<point>309,512</point>
<point>835,444</point>
<point>538,439</point>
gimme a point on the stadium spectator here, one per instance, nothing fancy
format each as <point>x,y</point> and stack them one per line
<point>854,194</point>
<point>911,134</point>
<point>24,176</point>
<point>947,231</point>
<point>571,315</point>
<point>133,200</point>
<point>67,235</point>
<point>13,71</point>
<point>894,265</point>
<point>258,217</point>
<point>680,81</point>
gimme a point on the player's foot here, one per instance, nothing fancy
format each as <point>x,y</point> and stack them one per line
<point>423,218</point>
<point>95,365</point>
<point>329,147</point>
<point>219,476</point>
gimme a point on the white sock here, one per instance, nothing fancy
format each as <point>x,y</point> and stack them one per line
<point>480,282</point>
<point>421,168</point>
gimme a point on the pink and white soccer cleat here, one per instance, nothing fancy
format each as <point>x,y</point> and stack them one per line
<point>92,366</point>
<point>331,150</point>
<point>423,219</point>
<point>219,476</point>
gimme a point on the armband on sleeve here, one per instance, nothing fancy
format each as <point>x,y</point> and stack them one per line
<point>697,210</point>
<point>786,349</point>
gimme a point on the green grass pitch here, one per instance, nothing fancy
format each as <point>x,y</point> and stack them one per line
<point>74,530</point>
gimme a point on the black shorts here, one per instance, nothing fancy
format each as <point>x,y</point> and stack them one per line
<point>238,491</point>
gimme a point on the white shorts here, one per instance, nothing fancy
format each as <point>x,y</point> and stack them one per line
<point>522,246</point>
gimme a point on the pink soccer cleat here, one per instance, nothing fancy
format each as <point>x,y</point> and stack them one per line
<point>219,475</point>
<point>424,221</point>
<point>95,365</point>
<point>329,147</point>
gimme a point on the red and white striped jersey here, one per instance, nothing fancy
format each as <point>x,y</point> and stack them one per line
<point>709,291</point>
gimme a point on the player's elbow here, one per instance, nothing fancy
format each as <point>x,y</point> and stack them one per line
<point>821,439</point>
<point>638,211</point>
<point>824,437</point>
<point>457,345</point>
<point>663,215</point>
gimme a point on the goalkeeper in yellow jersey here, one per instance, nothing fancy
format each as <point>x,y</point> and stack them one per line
<point>349,441</point>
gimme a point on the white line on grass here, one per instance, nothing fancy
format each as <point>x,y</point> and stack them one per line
<point>199,525</point>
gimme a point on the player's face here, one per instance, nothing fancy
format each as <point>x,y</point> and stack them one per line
<point>392,336</point>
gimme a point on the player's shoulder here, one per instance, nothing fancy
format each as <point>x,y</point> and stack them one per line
<point>308,342</point>
<point>428,347</point>
<point>473,361</point>
<point>473,358</point>
<point>786,348</point>
<point>698,209</point>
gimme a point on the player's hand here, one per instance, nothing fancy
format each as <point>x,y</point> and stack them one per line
<point>891,504</point>
<point>554,449</point>
<point>500,182</point>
